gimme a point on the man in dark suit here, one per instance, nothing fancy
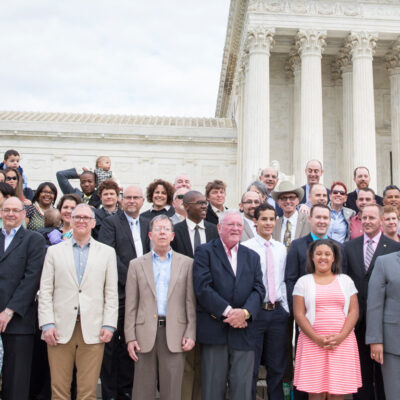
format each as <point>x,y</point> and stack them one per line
<point>21,261</point>
<point>88,182</point>
<point>359,260</point>
<point>215,194</point>
<point>127,233</point>
<point>189,234</point>
<point>361,178</point>
<point>229,291</point>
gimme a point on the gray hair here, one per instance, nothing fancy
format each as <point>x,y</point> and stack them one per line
<point>260,186</point>
<point>229,212</point>
<point>161,217</point>
<point>83,205</point>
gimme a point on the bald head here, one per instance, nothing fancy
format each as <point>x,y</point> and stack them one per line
<point>318,194</point>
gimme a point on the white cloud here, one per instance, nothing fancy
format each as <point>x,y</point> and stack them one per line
<point>159,57</point>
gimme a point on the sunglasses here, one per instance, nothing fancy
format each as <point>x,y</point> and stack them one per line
<point>11,178</point>
<point>342,192</point>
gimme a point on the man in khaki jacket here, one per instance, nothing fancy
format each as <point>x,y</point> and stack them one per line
<point>160,315</point>
<point>78,306</point>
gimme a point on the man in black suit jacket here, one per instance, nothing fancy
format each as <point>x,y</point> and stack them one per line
<point>361,178</point>
<point>21,261</point>
<point>127,233</point>
<point>229,291</point>
<point>88,182</point>
<point>189,234</point>
<point>359,259</point>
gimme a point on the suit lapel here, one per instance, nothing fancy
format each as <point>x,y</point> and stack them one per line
<point>90,262</point>
<point>186,239</point>
<point>127,229</point>
<point>175,271</point>
<point>380,249</point>
<point>220,252</point>
<point>1,245</point>
<point>147,266</point>
<point>240,263</point>
<point>15,242</point>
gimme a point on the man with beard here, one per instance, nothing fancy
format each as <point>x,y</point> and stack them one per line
<point>250,200</point>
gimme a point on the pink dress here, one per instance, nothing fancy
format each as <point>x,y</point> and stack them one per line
<point>319,370</point>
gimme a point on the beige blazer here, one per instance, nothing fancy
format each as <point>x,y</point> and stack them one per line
<point>141,303</point>
<point>303,227</point>
<point>96,297</point>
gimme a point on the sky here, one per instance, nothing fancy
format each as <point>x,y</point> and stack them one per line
<point>156,57</point>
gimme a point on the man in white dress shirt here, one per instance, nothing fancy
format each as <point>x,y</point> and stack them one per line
<point>270,327</point>
<point>250,200</point>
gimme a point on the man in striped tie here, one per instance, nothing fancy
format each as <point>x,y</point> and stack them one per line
<point>359,260</point>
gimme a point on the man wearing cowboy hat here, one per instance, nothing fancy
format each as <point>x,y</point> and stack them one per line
<point>292,225</point>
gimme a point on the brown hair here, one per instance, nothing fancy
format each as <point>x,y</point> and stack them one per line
<point>337,262</point>
<point>167,186</point>
<point>19,191</point>
<point>215,184</point>
<point>70,196</point>
<point>108,184</point>
<point>390,209</point>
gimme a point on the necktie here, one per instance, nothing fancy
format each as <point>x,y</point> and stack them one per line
<point>197,240</point>
<point>369,254</point>
<point>270,273</point>
<point>287,237</point>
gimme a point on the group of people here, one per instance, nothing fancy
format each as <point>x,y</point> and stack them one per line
<point>190,297</point>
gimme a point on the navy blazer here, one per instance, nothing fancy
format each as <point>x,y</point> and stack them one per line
<point>20,270</point>
<point>116,232</point>
<point>296,264</point>
<point>216,287</point>
<point>304,200</point>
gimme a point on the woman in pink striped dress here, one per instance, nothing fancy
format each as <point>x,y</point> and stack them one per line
<point>326,310</point>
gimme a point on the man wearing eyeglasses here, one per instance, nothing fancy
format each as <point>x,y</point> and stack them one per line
<point>160,315</point>
<point>250,200</point>
<point>78,306</point>
<point>127,233</point>
<point>21,260</point>
<point>189,234</point>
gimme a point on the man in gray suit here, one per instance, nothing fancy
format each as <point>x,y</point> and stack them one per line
<point>293,224</point>
<point>250,200</point>
<point>383,320</point>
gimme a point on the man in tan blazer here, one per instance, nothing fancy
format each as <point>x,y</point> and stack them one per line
<point>292,225</point>
<point>160,315</point>
<point>78,306</point>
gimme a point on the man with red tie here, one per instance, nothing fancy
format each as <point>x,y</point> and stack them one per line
<point>270,327</point>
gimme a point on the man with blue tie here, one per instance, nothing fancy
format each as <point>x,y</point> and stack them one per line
<point>270,327</point>
<point>229,291</point>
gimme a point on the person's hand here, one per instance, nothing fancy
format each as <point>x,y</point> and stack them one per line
<point>334,340</point>
<point>133,349</point>
<point>187,344</point>
<point>4,320</point>
<point>236,318</point>
<point>51,336</point>
<point>322,341</point>
<point>105,335</point>
<point>377,352</point>
<point>304,209</point>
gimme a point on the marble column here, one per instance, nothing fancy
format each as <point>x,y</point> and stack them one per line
<point>362,47</point>
<point>393,65</point>
<point>346,66</point>
<point>310,44</point>
<point>256,128</point>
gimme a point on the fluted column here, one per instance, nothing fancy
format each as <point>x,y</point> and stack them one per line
<point>310,44</point>
<point>344,60</point>
<point>393,65</point>
<point>256,129</point>
<point>362,47</point>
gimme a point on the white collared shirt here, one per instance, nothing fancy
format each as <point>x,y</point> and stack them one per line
<point>257,243</point>
<point>293,220</point>
<point>217,211</point>
<point>202,231</point>
<point>134,224</point>
<point>9,237</point>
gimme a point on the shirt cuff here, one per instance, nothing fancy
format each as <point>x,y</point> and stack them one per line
<point>227,309</point>
<point>110,328</point>
<point>47,327</point>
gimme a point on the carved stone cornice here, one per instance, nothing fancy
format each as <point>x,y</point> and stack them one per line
<point>392,58</point>
<point>361,44</point>
<point>259,38</point>
<point>310,42</point>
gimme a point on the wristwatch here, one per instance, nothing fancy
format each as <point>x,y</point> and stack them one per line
<point>246,313</point>
<point>10,313</point>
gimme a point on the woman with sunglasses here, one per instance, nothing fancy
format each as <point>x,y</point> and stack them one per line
<point>339,228</point>
<point>14,179</point>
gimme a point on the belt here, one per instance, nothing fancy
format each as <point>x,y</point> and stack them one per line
<point>162,321</point>
<point>271,306</point>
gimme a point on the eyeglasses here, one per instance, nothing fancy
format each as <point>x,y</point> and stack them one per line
<point>11,178</point>
<point>134,198</point>
<point>83,218</point>
<point>12,210</point>
<point>198,203</point>
<point>288,198</point>
<point>162,228</point>
<point>256,202</point>
<point>342,192</point>
<point>49,192</point>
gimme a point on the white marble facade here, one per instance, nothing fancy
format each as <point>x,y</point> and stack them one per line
<point>300,79</point>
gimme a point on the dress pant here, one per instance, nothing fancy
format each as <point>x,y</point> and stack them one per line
<point>191,384</point>
<point>117,368</point>
<point>270,337</point>
<point>391,375</point>
<point>86,357</point>
<point>170,368</point>
<point>372,381</point>
<point>17,363</point>
<point>221,364</point>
